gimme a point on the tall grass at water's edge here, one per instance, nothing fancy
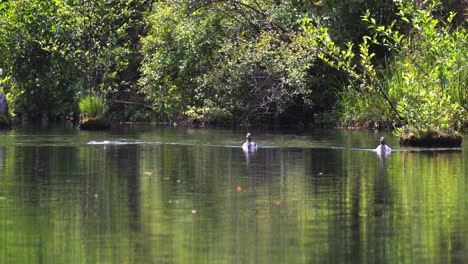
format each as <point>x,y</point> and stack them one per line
<point>92,106</point>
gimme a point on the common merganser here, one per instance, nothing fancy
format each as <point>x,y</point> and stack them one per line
<point>382,148</point>
<point>249,144</point>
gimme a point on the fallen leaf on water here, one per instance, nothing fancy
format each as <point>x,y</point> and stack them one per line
<point>166,178</point>
<point>279,203</point>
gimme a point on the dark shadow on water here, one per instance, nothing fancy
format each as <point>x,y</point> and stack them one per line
<point>3,153</point>
<point>128,171</point>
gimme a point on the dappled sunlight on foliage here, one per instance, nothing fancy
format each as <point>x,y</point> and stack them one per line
<point>238,62</point>
<point>424,83</point>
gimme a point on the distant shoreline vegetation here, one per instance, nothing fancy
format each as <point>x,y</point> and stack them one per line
<point>384,64</point>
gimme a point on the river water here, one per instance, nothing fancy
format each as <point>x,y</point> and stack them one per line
<point>145,194</point>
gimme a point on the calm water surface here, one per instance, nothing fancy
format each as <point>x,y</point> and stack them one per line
<point>142,194</point>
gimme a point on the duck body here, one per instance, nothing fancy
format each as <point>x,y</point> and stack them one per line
<point>383,149</point>
<point>249,145</point>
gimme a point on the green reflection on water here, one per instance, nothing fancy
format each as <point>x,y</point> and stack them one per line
<point>204,201</point>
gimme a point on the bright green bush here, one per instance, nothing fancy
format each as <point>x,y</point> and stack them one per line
<point>428,78</point>
<point>92,106</point>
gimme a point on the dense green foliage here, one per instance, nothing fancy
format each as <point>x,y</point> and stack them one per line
<point>244,61</point>
<point>423,86</point>
<point>52,52</point>
<point>228,62</point>
<point>38,81</point>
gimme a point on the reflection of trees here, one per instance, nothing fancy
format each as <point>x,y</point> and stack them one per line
<point>38,209</point>
<point>295,205</point>
<point>2,157</point>
<point>111,204</point>
<point>325,201</point>
<point>431,196</point>
<point>127,163</point>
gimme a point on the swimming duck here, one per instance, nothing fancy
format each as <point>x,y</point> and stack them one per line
<point>382,148</point>
<point>249,144</point>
